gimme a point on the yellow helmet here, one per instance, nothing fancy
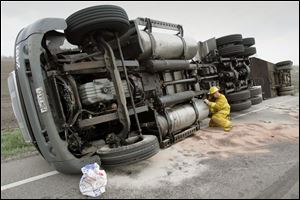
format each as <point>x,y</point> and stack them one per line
<point>213,89</point>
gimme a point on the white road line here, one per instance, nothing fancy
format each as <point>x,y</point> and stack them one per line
<point>15,184</point>
<point>28,180</point>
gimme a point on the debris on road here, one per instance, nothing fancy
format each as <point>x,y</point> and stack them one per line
<point>93,180</point>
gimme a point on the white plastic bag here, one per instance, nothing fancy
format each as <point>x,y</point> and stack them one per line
<point>93,180</point>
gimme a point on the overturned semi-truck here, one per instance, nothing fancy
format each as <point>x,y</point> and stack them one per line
<point>98,87</point>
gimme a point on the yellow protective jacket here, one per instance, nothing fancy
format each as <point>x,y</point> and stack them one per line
<point>220,105</point>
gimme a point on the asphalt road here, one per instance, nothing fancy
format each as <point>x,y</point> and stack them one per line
<point>271,171</point>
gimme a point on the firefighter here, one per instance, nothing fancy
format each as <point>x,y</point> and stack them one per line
<point>219,109</point>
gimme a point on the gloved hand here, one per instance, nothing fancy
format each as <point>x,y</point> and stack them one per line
<point>206,101</point>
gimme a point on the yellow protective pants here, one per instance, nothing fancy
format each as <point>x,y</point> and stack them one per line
<point>221,120</point>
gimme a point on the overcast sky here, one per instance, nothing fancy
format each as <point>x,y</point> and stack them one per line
<point>275,25</point>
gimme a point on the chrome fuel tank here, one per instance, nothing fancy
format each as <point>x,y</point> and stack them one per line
<point>167,46</point>
<point>182,116</point>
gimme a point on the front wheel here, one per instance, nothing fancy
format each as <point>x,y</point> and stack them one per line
<point>96,18</point>
<point>146,148</point>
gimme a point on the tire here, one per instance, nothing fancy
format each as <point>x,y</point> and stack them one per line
<point>238,96</point>
<point>256,100</point>
<point>255,90</point>
<point>249,51</point>
<point>291,92</point>
<point>229,39</point>
<point>287,67</point>
<point>231,50</point>
<point>112,157</point>
<point>234,107</point>
<point>96,18</point>
<point>287,88</point>
<point>284,63</point>
<point>248,42</point>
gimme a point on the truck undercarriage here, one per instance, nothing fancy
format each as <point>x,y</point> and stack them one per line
<point>121,91</point>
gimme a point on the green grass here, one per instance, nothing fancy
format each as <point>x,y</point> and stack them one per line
<point>13,144</point>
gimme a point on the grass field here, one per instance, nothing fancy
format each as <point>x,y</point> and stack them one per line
<point>8,120</point>
<point>6,68</point>
<point>12,144</point>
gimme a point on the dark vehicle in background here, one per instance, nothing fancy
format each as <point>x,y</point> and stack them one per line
<point>98,87</point>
